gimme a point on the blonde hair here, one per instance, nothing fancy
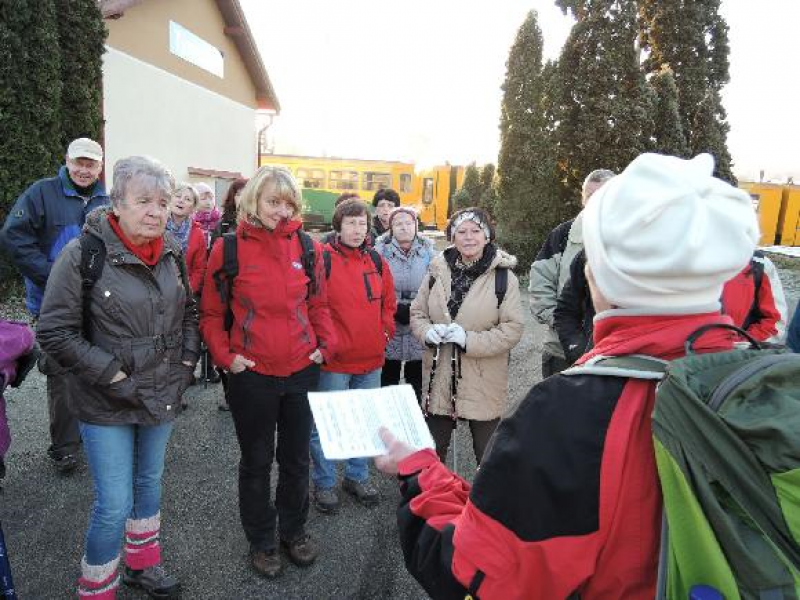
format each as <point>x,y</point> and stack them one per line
<point>285,188</point>
<point>182,185</point>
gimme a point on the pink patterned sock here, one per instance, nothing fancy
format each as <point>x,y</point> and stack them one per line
<point>99,582</point>
<point>142,548</point>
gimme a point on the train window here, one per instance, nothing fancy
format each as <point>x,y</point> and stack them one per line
<point>427,190</point>
<point>376,181</point>
<point>311,178</point>
<point>344,180</point>
<point>405,183</point>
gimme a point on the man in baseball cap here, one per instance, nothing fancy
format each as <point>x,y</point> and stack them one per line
<point>45,217</point>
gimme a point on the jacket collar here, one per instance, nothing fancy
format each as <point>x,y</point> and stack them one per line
<point>69,190</point>
<point>284,229</point>
<point>662,336</point>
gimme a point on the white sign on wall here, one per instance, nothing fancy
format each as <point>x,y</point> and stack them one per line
<point>186,45</point>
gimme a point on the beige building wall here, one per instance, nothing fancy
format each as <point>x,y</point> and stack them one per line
<point>153,112</point>
<point>143,32</point>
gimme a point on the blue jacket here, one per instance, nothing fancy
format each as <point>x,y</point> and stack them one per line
<point>44,218</point>
<point>407,271</point>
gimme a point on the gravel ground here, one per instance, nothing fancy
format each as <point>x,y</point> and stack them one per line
<point>44,515</point>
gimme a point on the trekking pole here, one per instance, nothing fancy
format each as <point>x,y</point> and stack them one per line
<point>6,582</point>
<point>204,358</point>
<point>453,389</point>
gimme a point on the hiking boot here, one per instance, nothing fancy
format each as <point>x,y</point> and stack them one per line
<point>64,463</point>
<point>363,491</point>
<point>302,551</point>
<point>326,500</point>
<point>266,563</point>
<point>153,580</point>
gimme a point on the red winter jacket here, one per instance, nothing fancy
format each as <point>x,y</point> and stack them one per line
<point>362,304</point>
<point>275,322</point>
<point>768,318</point>
<point>196,256</point>
<point>567,497</point>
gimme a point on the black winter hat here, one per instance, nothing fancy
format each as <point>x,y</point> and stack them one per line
<point>386,194</point>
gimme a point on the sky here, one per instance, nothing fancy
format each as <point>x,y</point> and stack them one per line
<point>419,80</point>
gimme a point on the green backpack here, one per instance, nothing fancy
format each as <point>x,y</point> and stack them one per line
<point>726,432</point>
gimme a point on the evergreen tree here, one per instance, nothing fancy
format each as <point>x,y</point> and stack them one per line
<point>691,37</point>
<point>605,109</point>
<point>528,204</point>
<point>82,36</point>
<point>30,100</point>
<point>488,195</point>
<point>470,192</point>
<point>709,132</point>
<point>668,134</point>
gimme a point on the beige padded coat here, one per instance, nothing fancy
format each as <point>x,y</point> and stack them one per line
<point>491,334</point>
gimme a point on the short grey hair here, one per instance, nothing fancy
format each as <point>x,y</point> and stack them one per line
<point>598,176</point>
<point>135,167</point>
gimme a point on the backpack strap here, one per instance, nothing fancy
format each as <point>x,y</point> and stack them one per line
<point>500,284</point>
<point>308,259</point>
<point>326,261</point>
<point>224,276</point>
<point>376,260</point>
<point>757,270</point>
<point>633,366</point>
<point>93,259</point>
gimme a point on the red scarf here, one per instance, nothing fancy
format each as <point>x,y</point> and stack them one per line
<point>148,253</point>
<point>662,336</point>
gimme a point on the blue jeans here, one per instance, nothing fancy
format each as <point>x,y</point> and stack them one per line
<point>357,469</point>
<point>126,462</point>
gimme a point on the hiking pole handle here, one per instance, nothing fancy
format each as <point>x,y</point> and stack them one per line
<point>697,333</point>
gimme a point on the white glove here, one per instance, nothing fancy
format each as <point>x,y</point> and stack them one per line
<point>436,335</point>
<point>456,335</point>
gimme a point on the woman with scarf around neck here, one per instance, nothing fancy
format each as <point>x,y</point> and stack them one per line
<point>188,233</point>
<point>207,215</point>
<point>467,335</point>
<point>129,357</point>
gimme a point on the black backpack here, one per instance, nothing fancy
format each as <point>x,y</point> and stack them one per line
<point>93,259</point>
<point>500,284</point>
<point>225,275</point>
<point>373,254</point>
<point>376,261</point>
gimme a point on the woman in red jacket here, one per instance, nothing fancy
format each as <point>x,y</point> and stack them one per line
<point>280,333</point>
<point>188,233</point>
<point>363,302</point>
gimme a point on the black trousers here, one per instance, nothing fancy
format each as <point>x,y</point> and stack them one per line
<point>412,372</point>
<point>552,364</point>
<point>441,428</point>
<point>65,438</point>
<point>259,405</point>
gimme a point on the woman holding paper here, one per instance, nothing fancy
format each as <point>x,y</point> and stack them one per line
<point>468,314</point>
<point>279,333</point>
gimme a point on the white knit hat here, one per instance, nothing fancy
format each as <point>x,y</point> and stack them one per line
<point>664,233</point>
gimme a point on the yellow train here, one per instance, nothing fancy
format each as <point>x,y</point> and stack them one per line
<point>323,179</point>
<point>778,208</point>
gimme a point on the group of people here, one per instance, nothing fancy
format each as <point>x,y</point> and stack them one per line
<point>127,288</point>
